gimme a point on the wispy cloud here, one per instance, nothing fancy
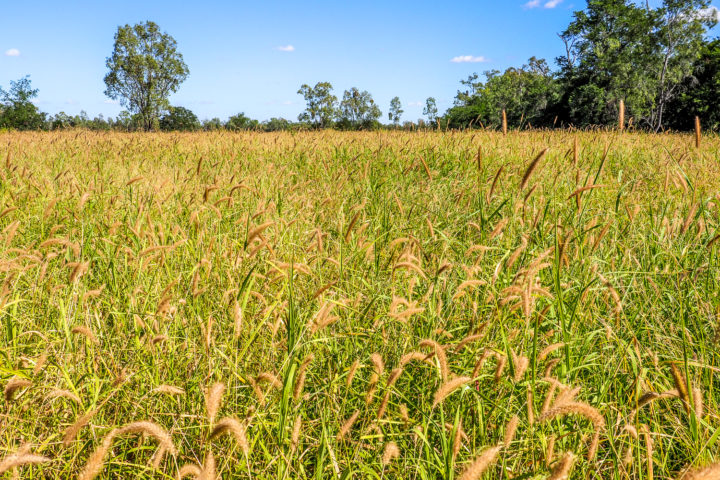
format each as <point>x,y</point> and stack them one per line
<point>532,4</point>
<point>110,101</point>
<point>468,59</point>
<point>13,52</point>
<point>414,104</point>
<point>285,48</point>
<point>552,3</point>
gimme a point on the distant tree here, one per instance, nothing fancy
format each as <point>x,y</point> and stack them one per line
<point>528,95</point>
<point>430,110</point>
<point>321,104</point>
<point>276,124</point>
<point>179,119</point>
<point>99,123</point>
<point>396,111</point>
<point>241,122</point>
<point>128,121</point>
<point>16,107</point>
<point>358,109</point>
<point>82,120</point>
<point>60,120</point>
<point>144,69</point>
<point>212,124</point>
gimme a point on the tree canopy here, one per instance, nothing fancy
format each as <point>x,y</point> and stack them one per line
<point>144,68</point>
<point>179,119</point>
<point>395,111</point>
<point>16,107</point>
<point>321,104</point>
<point>358,109</point>
<point>614,50</point>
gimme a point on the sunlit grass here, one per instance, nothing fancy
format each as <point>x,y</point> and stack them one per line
<point>358,305</point>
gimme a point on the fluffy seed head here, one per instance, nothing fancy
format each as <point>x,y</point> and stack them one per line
<point>15,384</point>
<point>213,398</point>
<point>480,464</point>
<point>390,453</point>
<point>448,387</point>
<point>234,427</point>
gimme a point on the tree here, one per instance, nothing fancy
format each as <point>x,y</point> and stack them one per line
<point>144,69</point>
<point>321,104</point>
<point>128,121</point>
<point>212,125</point>
<point>527,94</point>
<point>179,119</point>
<point>16,107</point>
<point>241,122</point>
<point>680,36</point>
<point>617,49</point>
<point>358,109</point>
<point>430,110</point>
<point>700,93</point>
<point>396,111</point>
<point>276,124</point>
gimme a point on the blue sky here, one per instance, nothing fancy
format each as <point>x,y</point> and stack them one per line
<point>253,56</point>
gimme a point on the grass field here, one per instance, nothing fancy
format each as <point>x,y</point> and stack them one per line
<point>359,305</point>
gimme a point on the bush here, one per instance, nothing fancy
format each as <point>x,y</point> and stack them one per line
<point>179,119</point>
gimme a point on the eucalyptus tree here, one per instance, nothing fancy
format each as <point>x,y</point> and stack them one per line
<point>144,68</point>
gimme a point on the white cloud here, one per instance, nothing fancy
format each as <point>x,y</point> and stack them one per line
<point>552,3</point>
<point>111,102</point>
<point>711,13</point>
<point>13,52</point>
<point>414,104</point>
<point>532,4</point>
<point>468,59</point>
<point>285,48</point>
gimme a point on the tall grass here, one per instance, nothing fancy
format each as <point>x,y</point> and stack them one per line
<point>359,305</point>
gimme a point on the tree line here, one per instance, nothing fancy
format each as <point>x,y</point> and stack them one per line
<point>356,111</point>
<point>657,61</point>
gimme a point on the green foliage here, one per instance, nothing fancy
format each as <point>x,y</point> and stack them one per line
<point>179,119</point>
<point>525,93</point>
<point>62,120</point>
<point>430,110</point>
<point>321,104</point>
<point>396,111</point>
<point>358,110</point>
<point>700,93</point>
<point>617,49</point>
<point>128,121</point>
<point>16,108</point>
<point>212,124</point>
<point>143,70</point>
<point>277,124</point>
<point>241,122</point>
